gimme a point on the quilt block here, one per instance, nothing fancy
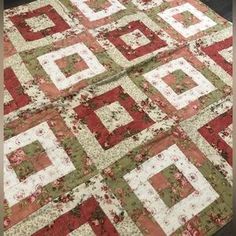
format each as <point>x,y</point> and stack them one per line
<point>69,65</point>
<point>170,176</point>
<point>186,20</point>
<point>43,159</point>
<point>94,117</point>
<point>133,39</point>
<point>180,84</point>
<point>39,23</point>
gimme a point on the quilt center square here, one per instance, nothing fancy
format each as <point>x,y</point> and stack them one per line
<point>39,23</point>
<point>67,66</point>
<point>113,116</point>
<point>179,81</point>
<point>99,5</point>
<point>116,98</point>
<point>135,40</point>
<point>199,189</point>
<point>28,160</point>
<point>186,18</point>
<point>171,185</point>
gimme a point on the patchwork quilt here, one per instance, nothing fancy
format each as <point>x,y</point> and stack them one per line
<point>117,118</point>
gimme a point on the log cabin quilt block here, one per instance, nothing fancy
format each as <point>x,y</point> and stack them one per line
<point>174,177</point>
<point>180,83</point>
<point>43,160</point>
<point>112,119</point>
<point>117,118</point>
<point>186,20</point>
<point>70,64</point>
<point>39,23</point>
<point>133,39</point>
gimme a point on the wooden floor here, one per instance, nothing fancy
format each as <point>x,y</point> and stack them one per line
<point>223,8</point>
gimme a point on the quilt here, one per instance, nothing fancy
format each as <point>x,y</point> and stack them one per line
<point>117,118</point>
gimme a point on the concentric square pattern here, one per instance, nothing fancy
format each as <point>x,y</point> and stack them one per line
<point>16,190</point>
<point>202,196</point>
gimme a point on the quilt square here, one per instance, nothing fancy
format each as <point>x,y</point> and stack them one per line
<point>91,9</point>
<point>94,117</point>
<point>69,65</point>
<point>94,13</point>
<point>43,159</point>
<point>133,39</point>
<point>20,91</point>
<point>39,23</point>
<point>15,189</point>
<point>204,22</point>
<point>179,101</point>
<point>180,84</point>
<point>142,178</point>
<point>186,20</point>
<point>216,52</point>
<point>109,137</point>
<point>211,130</point>
<point>171,217</point>
<point>50,65</point>
<point>90,209</point>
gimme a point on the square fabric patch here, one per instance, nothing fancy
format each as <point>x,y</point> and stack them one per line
<point>204,22</point>
<point>82,210</point>
<point>170,218</point>
<point>87,115</point>
<point>16,190</point>
<point>179,101</point>
<point>43,160</point>
<point>147,181</point>
<point>109,7</point>
<point>180,84</point>
<point>20,91</point>
<point>48,62</point>
<point>92,14</point>
<point>186,20</point>
<point>69,65</point>
<point>39,23</point>
<point>216,52</point>
<point>133,39</point>
<point>212,132</point>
